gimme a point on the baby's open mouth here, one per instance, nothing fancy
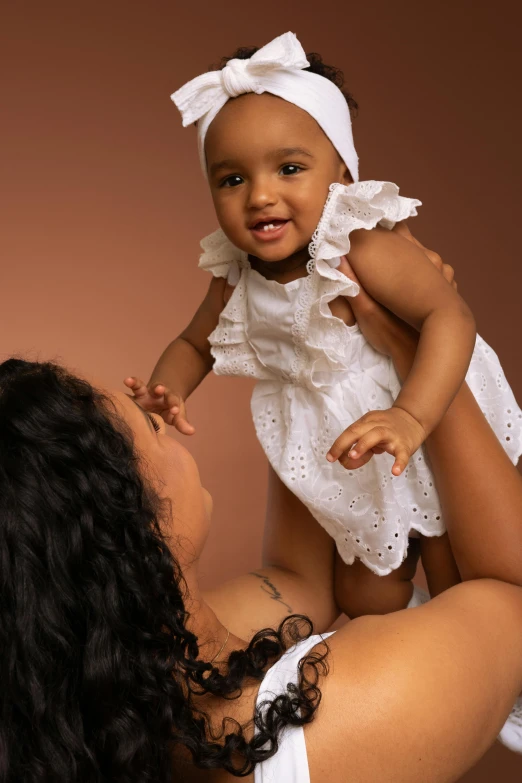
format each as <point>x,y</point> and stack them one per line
<point>269,225</point>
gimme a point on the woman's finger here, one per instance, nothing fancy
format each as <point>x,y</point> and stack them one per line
<point>361,304</point>
<point>402,229</point>
<point>447,271</point>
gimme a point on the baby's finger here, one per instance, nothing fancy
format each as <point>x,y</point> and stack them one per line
<point>354,464</point>
<point>157,389</point>
<point>347,439</point>
<point>401,460</point>
<point>136,385</point>
<point>173,402</point>
<point>376,436</point>
<point>181,423</point>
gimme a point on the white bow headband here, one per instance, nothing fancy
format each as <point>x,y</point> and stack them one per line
<point>276,68</point>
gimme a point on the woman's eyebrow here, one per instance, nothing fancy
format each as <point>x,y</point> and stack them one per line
<point>141,409</point>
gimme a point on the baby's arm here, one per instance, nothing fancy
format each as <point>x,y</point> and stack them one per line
<point>183,364</point>
<point>397,273</point>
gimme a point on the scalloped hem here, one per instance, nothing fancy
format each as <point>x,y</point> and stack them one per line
<point>371,566</point>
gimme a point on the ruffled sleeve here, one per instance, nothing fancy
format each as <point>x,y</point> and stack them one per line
<point>360,205</point>
<point>221,257</point>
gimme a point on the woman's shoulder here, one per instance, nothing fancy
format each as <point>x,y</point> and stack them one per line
<point>402,687</point>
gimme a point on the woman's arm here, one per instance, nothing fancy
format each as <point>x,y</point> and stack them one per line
<point>296,576</point>
<point>421,694</point>
<point>396,273</point>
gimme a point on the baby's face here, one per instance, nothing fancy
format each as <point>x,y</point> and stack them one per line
<point>270,166</point>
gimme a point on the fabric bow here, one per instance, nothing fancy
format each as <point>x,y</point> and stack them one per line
<point>199,96</point>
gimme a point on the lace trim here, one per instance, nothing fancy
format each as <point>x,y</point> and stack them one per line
<point>301,321</point>
<point>324,223</point>
<point>350,207</point>
<point>221,257</point>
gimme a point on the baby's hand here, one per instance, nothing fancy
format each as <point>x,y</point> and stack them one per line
<point>394,430</point>
<point>156,398</point>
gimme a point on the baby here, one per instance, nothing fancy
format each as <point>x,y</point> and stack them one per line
<point>337,425</point>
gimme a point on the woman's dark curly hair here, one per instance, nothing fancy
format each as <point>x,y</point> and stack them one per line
<point>98,670</point>
<point>316,65</point>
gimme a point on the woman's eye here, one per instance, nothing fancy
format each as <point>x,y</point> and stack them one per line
<point>232,182</point>
<point>154,422</point>
<point>291,168</point>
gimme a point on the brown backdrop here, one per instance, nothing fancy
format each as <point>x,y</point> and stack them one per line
<point>103,202</point>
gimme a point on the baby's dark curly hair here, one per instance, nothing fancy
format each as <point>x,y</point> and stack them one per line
<point>317,66</point>
<point>98,669</point>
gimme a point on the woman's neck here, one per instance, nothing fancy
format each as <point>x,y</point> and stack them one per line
<point>214,639</point>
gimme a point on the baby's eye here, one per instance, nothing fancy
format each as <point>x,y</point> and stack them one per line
<point>290,168</point>
<point>232,181</point>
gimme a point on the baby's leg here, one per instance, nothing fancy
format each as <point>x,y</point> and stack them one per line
<point>358,591</point>
<point>439,564</point>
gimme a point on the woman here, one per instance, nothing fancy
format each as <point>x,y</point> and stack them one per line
<point>116,666</point>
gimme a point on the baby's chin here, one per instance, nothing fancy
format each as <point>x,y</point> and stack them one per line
<point>275,258</point>
<point>278,252</point>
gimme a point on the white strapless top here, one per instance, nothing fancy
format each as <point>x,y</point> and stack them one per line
<point>290,763</point>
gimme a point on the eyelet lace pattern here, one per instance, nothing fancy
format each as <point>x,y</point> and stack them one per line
<point>316,376</point>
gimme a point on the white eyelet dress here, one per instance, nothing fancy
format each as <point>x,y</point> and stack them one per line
<point>316,376</point>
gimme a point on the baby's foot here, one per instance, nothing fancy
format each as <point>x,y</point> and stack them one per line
<point>511,734</point>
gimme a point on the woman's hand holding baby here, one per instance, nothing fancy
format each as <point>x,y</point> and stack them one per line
<point>157,398</point>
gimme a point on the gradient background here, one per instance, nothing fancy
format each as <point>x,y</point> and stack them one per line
<point>103,203</point>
